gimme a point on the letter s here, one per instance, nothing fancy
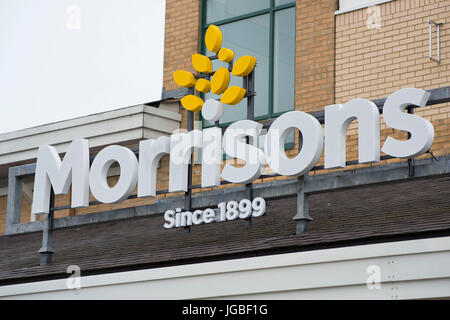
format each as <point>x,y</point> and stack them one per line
<point>169,217</point>
<point>421,130</point>
<point>236,148</point>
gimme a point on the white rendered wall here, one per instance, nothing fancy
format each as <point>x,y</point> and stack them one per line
<point>407,269</point>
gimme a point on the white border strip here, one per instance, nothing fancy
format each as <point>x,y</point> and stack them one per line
<point>362,6</point>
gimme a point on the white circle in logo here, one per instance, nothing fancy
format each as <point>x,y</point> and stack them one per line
<point>212,110</point>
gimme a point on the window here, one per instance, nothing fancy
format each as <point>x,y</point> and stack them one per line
<point>264,29</point>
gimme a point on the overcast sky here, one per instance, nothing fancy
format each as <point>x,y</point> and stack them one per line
<point>62,59</point>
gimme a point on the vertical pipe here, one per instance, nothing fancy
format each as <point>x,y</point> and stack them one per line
<point>438,27</point>
<point>250,116</point>
<point>429,40</point>
<point>14,200</point>
<point>271,56</point>
<point>410,160</point>
<point>47,250</point>
<point>251,97</point>
<point>302,218</point>
<point>188,194</point>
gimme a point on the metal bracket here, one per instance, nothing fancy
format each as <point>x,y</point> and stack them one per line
<point>432,155</point>
<point>302,218</point>
<point>438,27</point>
<point>249,85</point>
<point>188,194</point>
<point>410,110</point>
<point>47,250</point>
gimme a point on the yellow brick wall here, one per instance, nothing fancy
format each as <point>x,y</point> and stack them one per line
<point>373,63</point>
<point>25,215</point>
<point>314,63</point>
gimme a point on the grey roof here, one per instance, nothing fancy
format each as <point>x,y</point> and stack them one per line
<point>379,213</point>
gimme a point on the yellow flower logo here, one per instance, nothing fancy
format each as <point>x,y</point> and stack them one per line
<point>220,78</point>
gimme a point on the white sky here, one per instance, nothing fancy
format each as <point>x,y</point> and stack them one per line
<point>62,59</point>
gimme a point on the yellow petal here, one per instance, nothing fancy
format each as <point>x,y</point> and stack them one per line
<point>233,95</point>
<point>243,66</point>
<point>213,38</point>
<point>201,63</point>
<point>220,80</point>
<point>192,103</point>
<point>226,55</point>
<point>184,78</point>
<point>203,85</point>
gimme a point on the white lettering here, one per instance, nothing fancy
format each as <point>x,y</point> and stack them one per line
<point>311,148</point>
<point>234,147</point>
<point>337,119</point>
<point>225,211</point>
<point>421,130</point>
<point>98,177</point>
<point>211,157</point>
<point>168,216</point>
<point>73,170</point>
<point>181,147</point>
<point>51,171</point>
<point>150,153</point>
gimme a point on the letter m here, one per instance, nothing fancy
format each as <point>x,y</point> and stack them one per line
<point>52,172</point>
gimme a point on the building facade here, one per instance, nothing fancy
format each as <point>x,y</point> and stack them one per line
<point>378,230</point>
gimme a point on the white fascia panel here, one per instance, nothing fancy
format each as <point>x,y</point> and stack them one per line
<point>408,270</point>
<point>113,127</point>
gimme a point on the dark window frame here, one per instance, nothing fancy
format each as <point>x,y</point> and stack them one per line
<point>271,11</point>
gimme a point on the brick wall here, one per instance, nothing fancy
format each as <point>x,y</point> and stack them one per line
<point>372,62</point>
<point>314,76</point>
<point>25,215</point>
<point>314,58</point>
<point>181,39</point>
